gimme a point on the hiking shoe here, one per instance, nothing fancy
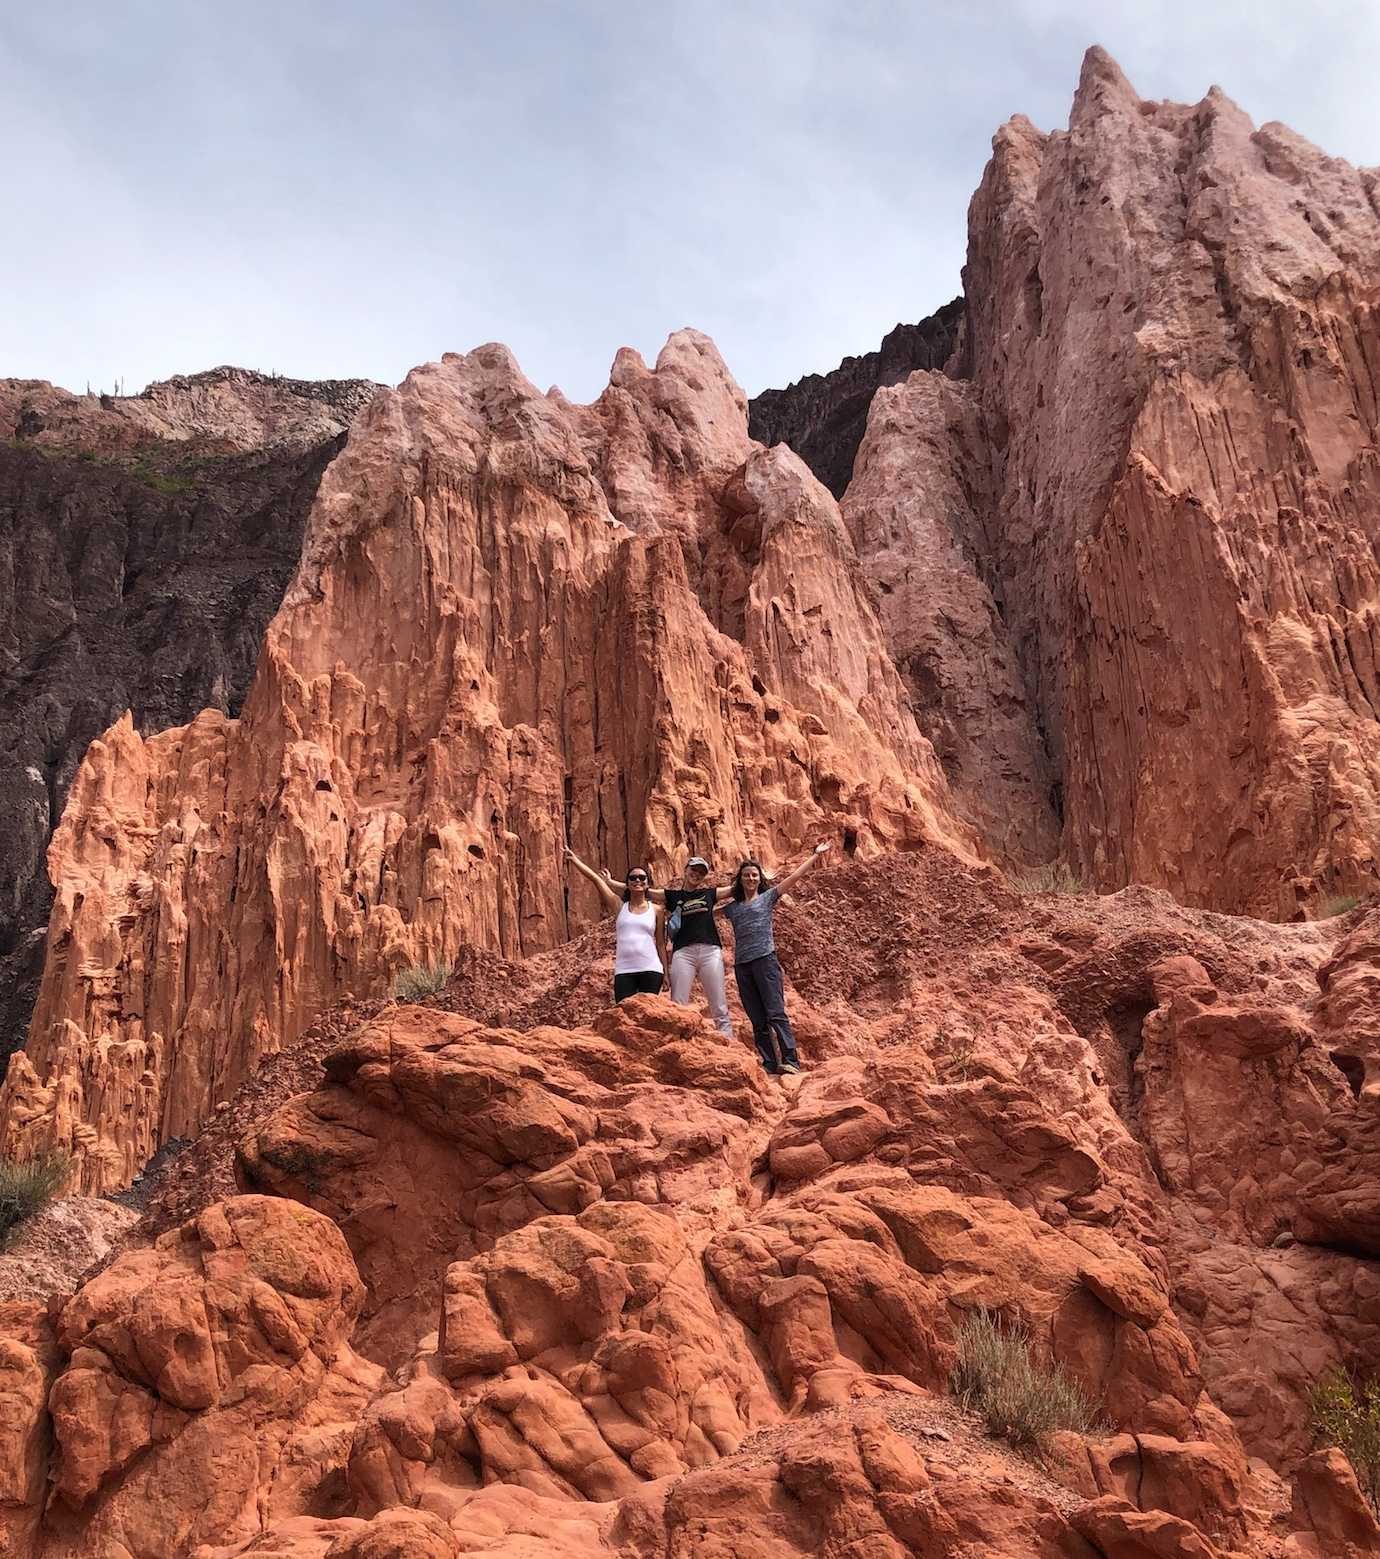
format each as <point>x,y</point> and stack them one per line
<point>791,1067</point>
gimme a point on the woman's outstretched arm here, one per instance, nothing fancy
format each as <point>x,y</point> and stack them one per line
<point>820,850</point>
<point>604,884</point>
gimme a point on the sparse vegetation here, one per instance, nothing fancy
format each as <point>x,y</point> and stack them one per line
<point>1052,877</point>
<point>419,981</point>
<point>1346,1413</point>
<point>1021,1400</point>
<point>955,1055</point>
<point>166,482</point>
<point>1338,904</point>
<point>27,1186</point>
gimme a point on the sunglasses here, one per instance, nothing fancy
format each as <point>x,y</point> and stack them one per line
<point>637,876</point>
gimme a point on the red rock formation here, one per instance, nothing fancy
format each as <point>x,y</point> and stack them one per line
<point>145,542</point>
<point>522,1274</point>
<point>632,1298</point>
<point>917,510</point>
<point>1171,334</point>
<point>476,661</point>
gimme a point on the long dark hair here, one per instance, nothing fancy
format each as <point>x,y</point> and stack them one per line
<point>763,881</point>
<point>647,887</point>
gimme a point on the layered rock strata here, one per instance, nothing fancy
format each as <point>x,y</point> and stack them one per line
<point>1171,333</point>
<point>145,542</point>
<point>823,416</point>
<point>516,623</point>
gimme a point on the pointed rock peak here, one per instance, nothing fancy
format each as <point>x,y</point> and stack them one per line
<point>628,367</point>
<point>492,366</point>
<point>689,355</point>
<point>1102,88</point>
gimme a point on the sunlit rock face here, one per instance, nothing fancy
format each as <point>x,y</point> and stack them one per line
<point>516,622</point>
<point>1171,335</point>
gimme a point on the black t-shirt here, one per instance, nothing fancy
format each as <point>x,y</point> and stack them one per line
<point>696,916</point>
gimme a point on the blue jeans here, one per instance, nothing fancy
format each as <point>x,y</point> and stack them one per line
<point>763,994</point>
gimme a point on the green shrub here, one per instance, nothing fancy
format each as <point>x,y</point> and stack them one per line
<point>1052,877</point>
<point>1346,1413</point>
<point>1020,1399</point>
<point>27,1186</point>
<point>1338,904</point>
<point>420,981</point>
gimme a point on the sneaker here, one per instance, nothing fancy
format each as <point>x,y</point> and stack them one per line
<point>791,1067</point>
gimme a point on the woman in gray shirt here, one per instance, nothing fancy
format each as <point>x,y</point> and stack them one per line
<point>749,911</point>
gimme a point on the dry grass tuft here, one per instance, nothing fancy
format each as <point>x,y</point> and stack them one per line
<point>420,981</point>
<point>1021,1400</point>
<point>1052,877</point>
<point>27,1186</point>
<point>1346,1413</point>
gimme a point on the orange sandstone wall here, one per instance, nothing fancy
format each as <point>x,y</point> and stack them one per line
<point>516,622</point>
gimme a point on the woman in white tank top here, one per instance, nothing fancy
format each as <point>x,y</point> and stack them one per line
<point>637,968</point>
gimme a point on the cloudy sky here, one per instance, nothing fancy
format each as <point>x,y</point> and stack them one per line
<point>349,187</point>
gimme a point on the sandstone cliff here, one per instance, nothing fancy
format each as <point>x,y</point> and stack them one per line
<point>823,416</point>
<point>145,541</point>
<point>1171,345</point>
<point>519,1273</point>
<point>515,623</point>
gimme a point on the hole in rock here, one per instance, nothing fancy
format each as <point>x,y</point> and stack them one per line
<point>758,686</point>
<point>323,784</point>
<point>1352,1068</point>
<point>477,851</point>
<point>771,716</point>
<point>850,841</point>
<point>431,842</point>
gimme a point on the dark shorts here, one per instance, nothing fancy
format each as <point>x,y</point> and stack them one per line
<point>648,983</point>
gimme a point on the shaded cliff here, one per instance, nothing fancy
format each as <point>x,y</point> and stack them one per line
<point>145,542</point>
<point>823,416</point>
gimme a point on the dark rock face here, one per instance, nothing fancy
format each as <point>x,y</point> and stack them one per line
<point>139,567</point>
<point>824,416</point>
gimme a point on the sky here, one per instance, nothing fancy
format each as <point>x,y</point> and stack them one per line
<point>334,188</point>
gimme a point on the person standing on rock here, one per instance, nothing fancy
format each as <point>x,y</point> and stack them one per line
<point>749,910</point>
<point>696,951</point>
<point>637,968</point>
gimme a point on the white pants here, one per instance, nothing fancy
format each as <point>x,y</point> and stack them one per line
<point>708,963</point>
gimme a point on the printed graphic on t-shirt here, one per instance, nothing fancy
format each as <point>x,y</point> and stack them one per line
<point>696,916</point>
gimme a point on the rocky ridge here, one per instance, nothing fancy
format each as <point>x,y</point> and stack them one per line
<point>515,623</point>
<point>145,541</point>
<point>1162,413</point>
<point>520,1273</point>
<point>823,416</point>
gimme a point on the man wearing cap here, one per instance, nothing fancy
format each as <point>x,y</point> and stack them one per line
<point>696,952</point>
